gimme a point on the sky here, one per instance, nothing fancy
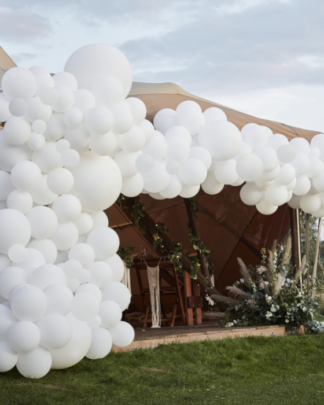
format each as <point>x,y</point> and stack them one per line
<point>262,57</point>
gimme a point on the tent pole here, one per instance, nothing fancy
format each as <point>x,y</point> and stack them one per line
<point>316,253</point>
<point>307,248</point>
<point>194,228</point>
<point>299,247</point>
<point>294,237</point>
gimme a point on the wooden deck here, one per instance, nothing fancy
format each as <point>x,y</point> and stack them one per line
<point>149,338</point>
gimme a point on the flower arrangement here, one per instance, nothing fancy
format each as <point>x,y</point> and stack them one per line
<point>271,293</point>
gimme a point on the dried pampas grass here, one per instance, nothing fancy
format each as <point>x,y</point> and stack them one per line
<point>237,292</point>
<point>277,285</point>
<point>302,269</point>
<point>244,272</point>
<point>226,300</point>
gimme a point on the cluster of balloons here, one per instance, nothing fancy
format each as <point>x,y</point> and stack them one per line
<point>61,296</point>
<point>192,149</point>
<point>71,144</point>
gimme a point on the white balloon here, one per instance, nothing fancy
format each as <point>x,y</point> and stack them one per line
<point>127,163</point>
<point>193,172</point>
<point>28,303</point>
<point>24,336</point>
<point>177,149</point>
<point>269,176</point>
<point>43,222</point>
<point>46,247</point>
<point>250,194</point>
<point>189,191</point>
<point>48,158</point>
<point>18,107</point>
<point>101,274</point>
<point>8,357</point>
<point>144,163</point>
<point>173,167</point>
<point>10,278</point>
<point>178,131</point>
<point>165,119</point>
<point>310,203</point>
<point>70,158</point>
<point>201,154</point>
<point>90,288</point>
<point>100,345</point>
<point>15,229</point>
<point>17,130</point>
<point>83,100</point>
<point>99,120</point>
<point>17,253</point>
<point>84,306</point>
<point>118,293</point>
<point>55,331</point>
<point>276,195</point>
<point>18,82</point>
<point>34,364</point>
<point>133,140</point>
<point>225,171</point>
<point>157,179</point>
<point>91,62</point>
<point>99,219</point>
<point>97,182</point>
<point>46,275</point>
<point>78,137</point>
<point>123,118</point>
<point>20,201</point>
<point>256,136</point>
<point>107,90</point>
<point>36,142</point>
<point>7,319</point>
<point>265,208</point>
<point>104,241</point>
<point>43,195</point>
<point>84,223</point>
<point>316,167</point>
<point>133,186</point>
<point>212,186</point>
<point>65,236</point>
<point>6,186</point>
<point>221,138</point>
<point>103,145</point>
<point>117,266</point>
<point>73,117</point>
<point>157,148</point>
<point>300,145</point>
<point>214,114</point>
<point>84,253</point>
<point>191,119</point>
<point>67,208</point>
<point>60,181</point>
<point>59,299</point>
<point>173,189</point>
<point>294,202</point>
<point>249,167</point>
<point>122,334</point>
<point>34,260</point>
<point>301,164</point>
<point>76,349</point>
<point>286,175</point>
<point>36,110</point>
<point>4,108</point>
<point>302,186</point>
<point>110,314</point>
<point>39,126</point>
<point>10,155</point>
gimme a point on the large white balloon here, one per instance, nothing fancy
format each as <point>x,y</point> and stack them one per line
<point>104,241</point>
<point>97,182</point>
<point>34,364</point>
<point>14,229</point>
<point>91,62</point>
<point>118,293</point>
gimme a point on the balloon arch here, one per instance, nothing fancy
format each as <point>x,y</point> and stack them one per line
<point>71,144</point>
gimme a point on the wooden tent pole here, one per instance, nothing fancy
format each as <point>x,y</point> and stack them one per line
<point>194,228</point>
<point>294,237</point>
<point>307,248</point>
<point>316,253</point>
<point>299,246</point>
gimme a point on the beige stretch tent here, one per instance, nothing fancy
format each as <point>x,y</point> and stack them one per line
<point>228,228</point>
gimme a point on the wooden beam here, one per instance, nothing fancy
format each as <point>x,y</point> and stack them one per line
<point>194,227</point>
<point>188,293</point>
<point>198,313</point>
<point>294,237</point>
<point>316,253</point>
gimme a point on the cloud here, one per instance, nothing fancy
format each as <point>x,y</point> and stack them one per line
<point>22,26</point>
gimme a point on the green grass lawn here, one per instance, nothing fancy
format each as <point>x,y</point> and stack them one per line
<point>251,371</point>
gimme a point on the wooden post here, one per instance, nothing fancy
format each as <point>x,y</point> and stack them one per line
<point>294,237</point>
<point>188,293</point>
<point>307,247</point>
<point>194,228</point>
<point>299,246</point>
<point>316,253</point>
<point>198,313</point>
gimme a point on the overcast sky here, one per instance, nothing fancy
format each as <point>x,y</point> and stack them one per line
<point>264,57</point>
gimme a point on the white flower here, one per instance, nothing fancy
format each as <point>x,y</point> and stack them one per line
<point>268,314</point>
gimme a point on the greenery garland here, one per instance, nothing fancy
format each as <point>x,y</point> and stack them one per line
<point>126,256</point>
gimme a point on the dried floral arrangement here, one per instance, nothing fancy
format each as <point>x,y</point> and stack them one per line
<point>271,293</point>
